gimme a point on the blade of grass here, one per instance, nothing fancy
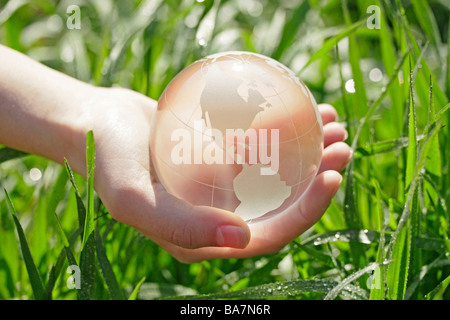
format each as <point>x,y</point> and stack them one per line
<point>432,244</point>
<point>134,294</point>
<point>89,225</point>
<point>401,252</point>
<point>439,263</point>
<point>427,22</point>
<point>360,103</point>
<point>333,293</point>
<point>87,268</point>
<point>137,22</point>
<point>388,55</point>
<point>10,8</point>
<point>441,112</point>
<point>35,279</point>
<point>373,108</point>
<point>290,288</point>
<point>87,259</point>
<point>207,24</point>
<point>57,267</point>
<point>82,294</point>
<point>349,198</point>
<point>349,116</point>
<point>400,239</point>
<point>378,282</point>
<point>350,215</point>
<point>260,274</point>
<point>57,192</point>
<point>291,28</point>
<point>81,209</point>
<point>41,223</point>
<point>331,43</point>
<point>447,82</point>
<point>347,235</point>
<point>8,154</point>
<point>106,268</point>
<point>398,270</point>
<point>316,254</point>
<point>440,288</point>
<point>385,146</point>
<point>389,202</point>
<point>425,71</point>
<point>412,134</point>
<point>104,52</point>
<point>152,291</point>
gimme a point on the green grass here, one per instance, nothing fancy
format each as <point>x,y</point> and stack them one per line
<point>384,236</point>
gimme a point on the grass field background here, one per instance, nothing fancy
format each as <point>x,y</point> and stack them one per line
<point>384,65</point>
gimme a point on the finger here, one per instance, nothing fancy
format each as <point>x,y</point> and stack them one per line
<point>334,132</point>
<point>335,157</point>
<point>328,113</point>
<point>157,214</point>
<point>272,235</point>
<point>317,199</point>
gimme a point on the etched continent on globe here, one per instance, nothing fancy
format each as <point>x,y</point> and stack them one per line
<point>223,106</point>
<point>237,131</point>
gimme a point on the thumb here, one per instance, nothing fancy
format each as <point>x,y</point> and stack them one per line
<point>161,216</point>
<point>203,226</point>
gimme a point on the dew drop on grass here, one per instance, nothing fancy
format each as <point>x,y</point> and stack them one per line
<point>35,174</point>
<point>350,86</point>
<point>376,75</point>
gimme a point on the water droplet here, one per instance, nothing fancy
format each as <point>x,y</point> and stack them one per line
<point>376,75</point>
<point>35,174</point>
<point>350,86</point>
<point>202,42</point>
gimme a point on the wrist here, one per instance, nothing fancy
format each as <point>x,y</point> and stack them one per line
<point>41,110</point>
<point>74,126</point>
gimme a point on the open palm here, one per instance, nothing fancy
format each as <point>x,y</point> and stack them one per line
<point>128,186</point>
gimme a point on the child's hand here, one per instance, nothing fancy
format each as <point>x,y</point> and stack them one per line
<point>48,113</point>
<point>129,189</point>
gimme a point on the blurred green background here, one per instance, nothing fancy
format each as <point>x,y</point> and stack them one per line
<point>366,57</point>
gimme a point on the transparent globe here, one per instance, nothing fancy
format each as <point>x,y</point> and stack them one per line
<point>237,131</point>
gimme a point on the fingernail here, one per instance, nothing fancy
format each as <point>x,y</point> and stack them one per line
<point>231,236</point>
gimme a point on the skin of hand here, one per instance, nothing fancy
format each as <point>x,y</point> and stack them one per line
<point>55,123</point>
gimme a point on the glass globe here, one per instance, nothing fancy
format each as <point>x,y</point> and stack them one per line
<point>237,131</point>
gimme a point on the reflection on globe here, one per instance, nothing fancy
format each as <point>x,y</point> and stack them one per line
<point>237,131</point>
